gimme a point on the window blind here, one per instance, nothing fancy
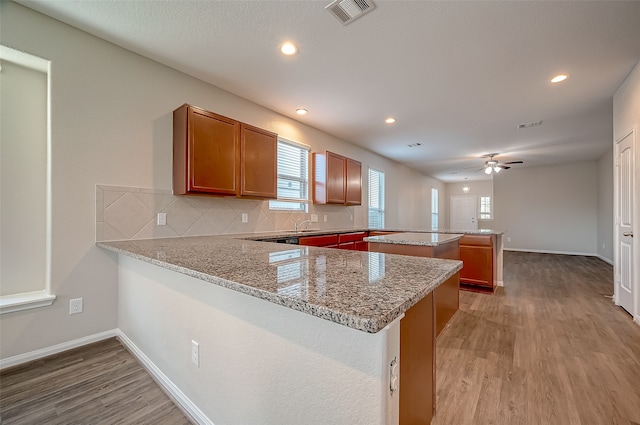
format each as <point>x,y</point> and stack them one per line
<point>293,177</point>
<point>376,199</point>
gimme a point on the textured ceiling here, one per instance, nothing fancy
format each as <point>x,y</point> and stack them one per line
<point>458,76</point>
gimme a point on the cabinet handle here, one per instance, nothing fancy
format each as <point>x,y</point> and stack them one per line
<point>628,234</point>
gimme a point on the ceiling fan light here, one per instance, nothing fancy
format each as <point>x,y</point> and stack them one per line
<point>496,168</point>
<point>488,170</point>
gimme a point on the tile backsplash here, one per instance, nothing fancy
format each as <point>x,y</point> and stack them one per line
<point>131,213</point>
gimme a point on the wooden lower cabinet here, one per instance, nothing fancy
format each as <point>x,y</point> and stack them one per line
<point>476,253</point>
<point>417,363</point>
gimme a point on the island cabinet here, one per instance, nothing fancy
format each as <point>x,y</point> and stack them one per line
<point>336,179</point>
<point>477,255</point>
<point>433,245</point>
<point>217,155</point>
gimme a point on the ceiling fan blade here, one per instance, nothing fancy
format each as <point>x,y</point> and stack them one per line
<point>505,167</point>
<point>515,162</point>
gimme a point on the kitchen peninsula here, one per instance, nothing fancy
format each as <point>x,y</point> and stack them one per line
<point>285,333</point>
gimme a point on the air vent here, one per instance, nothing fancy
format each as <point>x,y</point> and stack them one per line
<point>415,145</point>
<point>347,11</point>
<point>529,124</point>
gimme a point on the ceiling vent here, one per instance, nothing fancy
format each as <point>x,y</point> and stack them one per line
<point>529,124</point>
<point>347,11</point>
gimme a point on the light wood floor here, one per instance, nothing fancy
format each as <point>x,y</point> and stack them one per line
<point>549,348</point>
<point>101,383</point>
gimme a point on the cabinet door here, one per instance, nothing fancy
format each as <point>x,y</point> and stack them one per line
<point>335,178</point>
<point>213,153</point>
<point>477,266</point>
<point>258,159</point>
<point>353,182</point>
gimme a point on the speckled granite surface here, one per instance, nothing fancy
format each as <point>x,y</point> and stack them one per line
<point>314,232</point>
<point>422,239</point>
<point>365,291</point>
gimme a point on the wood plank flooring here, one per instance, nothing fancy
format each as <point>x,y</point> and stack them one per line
<point>548,348</point>
<point>100,383</point>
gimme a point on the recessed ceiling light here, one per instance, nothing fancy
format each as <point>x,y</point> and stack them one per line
<point>559,78</point>
<point>390,120</point>
<point>301,111</point>
<point>289,48</point>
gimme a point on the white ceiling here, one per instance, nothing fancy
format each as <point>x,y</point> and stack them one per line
<point>458,76</point>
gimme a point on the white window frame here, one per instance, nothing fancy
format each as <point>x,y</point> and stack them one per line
<point>378,211</point>
<point>485,215</point>
<point>435,217</point>
<point>42,297</point>
<point>295,204</point>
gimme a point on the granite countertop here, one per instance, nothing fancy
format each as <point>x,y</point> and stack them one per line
<point>277,234</point>
<point>422,239</point>
<point>362,290</point>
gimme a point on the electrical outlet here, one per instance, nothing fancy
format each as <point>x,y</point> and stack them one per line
<point>245,217</point>
<point>195,353</point>
<point>162,219</point>
<point>325,218</point>
<point>509,239</point>
<point>75,306</point>
<point>314,218</point>
<point>350,217</point>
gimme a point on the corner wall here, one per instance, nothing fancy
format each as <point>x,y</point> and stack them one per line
<point>605,207</point>
<point>549,209</point>
<point>111,125</point>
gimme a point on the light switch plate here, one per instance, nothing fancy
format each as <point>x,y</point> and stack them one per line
<point>314,218</point>
<point>162,219</point>
<point>245,217</point>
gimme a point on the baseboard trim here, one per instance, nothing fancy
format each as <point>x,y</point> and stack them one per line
<point>499,283</point>
<point>605,259</point>
<point>55,349</point>
<point>544,251</point>
<point>167,385</point>
<point>637,320</point>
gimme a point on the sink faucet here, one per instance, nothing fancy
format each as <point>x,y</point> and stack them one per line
<point>296,225</point>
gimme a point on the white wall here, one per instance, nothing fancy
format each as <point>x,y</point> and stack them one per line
<point>626,115</point>
<point>549,209</point>
<point>111,124</point>
<point>605,207</point>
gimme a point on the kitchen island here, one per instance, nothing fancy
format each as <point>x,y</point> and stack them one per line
<point>432,245</point>
<point>283,334</point>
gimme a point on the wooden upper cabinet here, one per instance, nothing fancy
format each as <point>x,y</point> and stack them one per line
<point>216,155</point>
<point>336,179</point>
<point>258,159</point>
<point>353,182</point>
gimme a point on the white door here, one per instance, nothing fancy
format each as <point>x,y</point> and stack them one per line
<point>463,213</point>
<point>624,222</point>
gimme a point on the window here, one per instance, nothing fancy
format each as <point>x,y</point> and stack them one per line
<point>434,208</point>
<point>376,199</point>
<point>25,245</point>
<point>293,177</point>
<point>485,208</point>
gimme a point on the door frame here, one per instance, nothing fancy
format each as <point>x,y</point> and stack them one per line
<point>633,132</point>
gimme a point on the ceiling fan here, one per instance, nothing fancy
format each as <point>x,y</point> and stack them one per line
<point>491,165</point>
